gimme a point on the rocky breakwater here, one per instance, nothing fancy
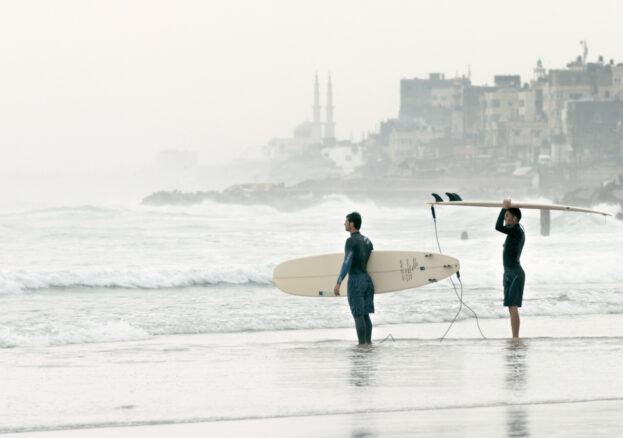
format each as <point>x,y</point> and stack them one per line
<point>275,195</point>
<point>609,192</point>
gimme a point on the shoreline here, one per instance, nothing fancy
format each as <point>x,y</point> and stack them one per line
<point>494,329</point>
<point>410,383</point>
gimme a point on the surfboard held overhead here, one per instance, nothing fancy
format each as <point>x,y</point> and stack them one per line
<point>526,205</point>
<point>390,271</point>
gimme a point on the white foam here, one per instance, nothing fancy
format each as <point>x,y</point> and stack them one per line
<point>50,257</point>
<point>54,334</point>
<point>138,278</point>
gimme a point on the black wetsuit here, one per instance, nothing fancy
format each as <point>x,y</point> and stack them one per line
<point>360,288</point>
<point>514,275</point>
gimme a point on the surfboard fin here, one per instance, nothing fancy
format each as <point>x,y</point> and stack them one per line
<point>451,196</point>
<point>437,197</point>
<point>458,198</point>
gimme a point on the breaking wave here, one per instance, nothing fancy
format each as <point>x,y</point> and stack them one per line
<point>162,278</point>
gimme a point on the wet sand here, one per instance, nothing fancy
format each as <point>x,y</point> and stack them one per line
<point>572,419</point>
<point>562,378</point>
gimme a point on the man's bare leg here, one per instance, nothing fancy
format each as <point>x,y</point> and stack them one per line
<point>514,312</point>
<point>360,326</point>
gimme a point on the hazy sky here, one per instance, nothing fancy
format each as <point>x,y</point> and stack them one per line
<point>104,85</point>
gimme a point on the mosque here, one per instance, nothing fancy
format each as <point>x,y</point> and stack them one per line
<point>316,139</point>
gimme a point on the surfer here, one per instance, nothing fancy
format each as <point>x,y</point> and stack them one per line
<point>514,276</point>
<point>360,288</point>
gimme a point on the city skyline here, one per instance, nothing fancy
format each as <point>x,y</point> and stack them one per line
<point>101,87</point>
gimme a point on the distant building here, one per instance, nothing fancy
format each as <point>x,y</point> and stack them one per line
<point>316,128</point>
<point>302,142</point>
<point>436,115</point>
<point>507,81</point>
<point>561,117</point>
<point>329,125</point>
<point>432,100</point>
<point>316,139</point>
<point>412,143</point>
<point>347,157</point>
<point>594,81</point>
<point>527,141</point>
<point>308,136</point>
<point>594,128</point>
<point>514,126</point>
<point>499,106</point>
<point>617,81</point>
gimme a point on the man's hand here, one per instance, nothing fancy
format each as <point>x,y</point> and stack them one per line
<point>336,290</point>
<point>506,204</point>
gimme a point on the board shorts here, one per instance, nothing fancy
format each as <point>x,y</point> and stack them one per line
<point>514,280</point>
<point>360,294</point>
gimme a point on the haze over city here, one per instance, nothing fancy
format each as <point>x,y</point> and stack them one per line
<point>94,90</point>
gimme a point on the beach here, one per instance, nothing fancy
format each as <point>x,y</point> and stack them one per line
<point>318,383</point>
<point>139,321</point>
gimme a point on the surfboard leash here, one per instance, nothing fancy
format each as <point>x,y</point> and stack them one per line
<point>458,276</point>
<point>389,336</point>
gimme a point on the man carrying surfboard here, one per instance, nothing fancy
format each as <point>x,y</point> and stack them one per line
<point>514,276</point>
<point>360,287</point>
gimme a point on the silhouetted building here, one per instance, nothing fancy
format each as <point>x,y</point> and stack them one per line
<point>594,128</point>
<point>507,81</point>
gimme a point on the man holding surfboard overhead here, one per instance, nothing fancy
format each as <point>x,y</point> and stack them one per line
<point>360,287</point>
<point>514,276</point>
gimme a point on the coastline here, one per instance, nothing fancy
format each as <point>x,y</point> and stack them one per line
<point>396,191</point>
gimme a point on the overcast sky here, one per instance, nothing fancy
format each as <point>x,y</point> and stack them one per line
<point>100,85</point>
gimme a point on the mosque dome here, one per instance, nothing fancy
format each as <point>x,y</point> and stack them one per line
<point>304,130</point>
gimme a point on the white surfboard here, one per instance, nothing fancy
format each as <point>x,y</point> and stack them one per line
<point>390,271</point>
<point>520,205</point>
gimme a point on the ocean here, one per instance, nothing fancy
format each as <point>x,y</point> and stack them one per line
<point>131,315</point>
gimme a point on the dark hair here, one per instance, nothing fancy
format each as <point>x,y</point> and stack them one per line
<point>355,218</point>
<point>515,212</point>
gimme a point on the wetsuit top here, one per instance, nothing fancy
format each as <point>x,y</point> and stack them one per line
<point>358,248</point>
<point>513,245</point>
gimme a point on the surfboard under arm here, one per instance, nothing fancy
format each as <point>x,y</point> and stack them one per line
<point>315,276</point>
<point>520,205</point>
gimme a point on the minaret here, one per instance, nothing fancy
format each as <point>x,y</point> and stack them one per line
<point>539,71</point>
<point>329,126</point>
<point>317,126</point>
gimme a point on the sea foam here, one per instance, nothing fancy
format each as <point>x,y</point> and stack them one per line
<point>64,333</point>
<point>138,278</point>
